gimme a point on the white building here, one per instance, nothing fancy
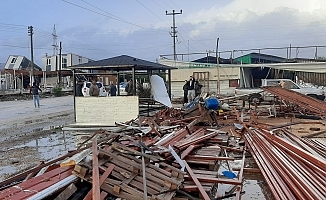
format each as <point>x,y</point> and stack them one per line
<point>52,63</point>
<point>19,63</point>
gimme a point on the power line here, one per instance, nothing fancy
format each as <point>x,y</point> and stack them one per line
<point>152,12</point>
<point>114,17</point>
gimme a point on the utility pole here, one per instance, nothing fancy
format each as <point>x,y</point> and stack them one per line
<point>60,67</point>
<point>30,32</point>
<point>174,32</point>
<point>218,68</point>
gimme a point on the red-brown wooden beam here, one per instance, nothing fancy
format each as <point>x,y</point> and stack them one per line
<point>95,172</point>
<point>29,176</point>
<point>188,151</point>
<point>102,179</point>
<point>194,178</point>
<point>238,193</point>
<point>197,157</point>
<point>215,180</point>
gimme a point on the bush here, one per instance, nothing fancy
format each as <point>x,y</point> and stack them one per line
<point>58,91</point>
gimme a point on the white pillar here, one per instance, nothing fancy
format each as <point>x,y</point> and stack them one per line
<point>22,82</point>
<point>6,81</point>
<point>15,80</point>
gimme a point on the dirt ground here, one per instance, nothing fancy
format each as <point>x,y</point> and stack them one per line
<point>26,144</point>
<point>29,135</point>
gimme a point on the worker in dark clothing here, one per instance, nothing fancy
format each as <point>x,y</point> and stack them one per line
<point>113,90</point>
<point>79,88</point>
<point>198,87</point>
<point>191,89</point>
<point>36,97</point>
<point>130,88</point>
<point>185,92</point>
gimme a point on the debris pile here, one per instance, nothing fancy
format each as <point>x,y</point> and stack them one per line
<point>178,153</point>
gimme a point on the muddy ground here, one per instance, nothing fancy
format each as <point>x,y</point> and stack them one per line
<point>29,135</point>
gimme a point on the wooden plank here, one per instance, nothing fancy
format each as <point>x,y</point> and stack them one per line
<point>29,176</point>
<point>152,188</point>
<point>82,171</point>
<point>108,188</point>
<point>190,182</point>
<point>122,162</point>
<point>103,195</point>
<point>207,172</point>
<point>65,194</point>
<point>45,183</point>
<point>202,162</point>
<point>248,170</point>
<point>117,173</point>
<point>102,179</point>
<point>194,188</point>
<point>75,159</point>
<point>194,178</point>
<point>236,149</point>
<point>188,151</point>
<point>95,172</point>
<point>153,129</point>
<point>33,181</point>
<point>197,157</point>
<point>217,180</point>
<point>314,134</point>
<point>125,187</point>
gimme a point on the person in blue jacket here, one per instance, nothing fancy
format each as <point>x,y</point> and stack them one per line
<point>36,97</point>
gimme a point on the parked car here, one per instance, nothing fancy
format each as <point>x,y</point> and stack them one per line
<point>86,85</point>
<point>122,87</point>
<point>257,95</point>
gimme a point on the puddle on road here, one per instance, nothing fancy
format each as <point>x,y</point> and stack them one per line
<point>7,169</point>
<point>28,153</point>
<point>51,145</point>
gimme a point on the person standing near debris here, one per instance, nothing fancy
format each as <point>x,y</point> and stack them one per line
<point>93,89</point>
<point>191,89</point>
<point>198,87</point>
<point>113,90</point>
<point>36,97</point>
<point>185,92</point>
<point>130,88</point>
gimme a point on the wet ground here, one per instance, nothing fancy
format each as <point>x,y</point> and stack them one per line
<point>30,135</point>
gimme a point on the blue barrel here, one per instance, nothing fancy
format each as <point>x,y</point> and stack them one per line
<point>211,103</point>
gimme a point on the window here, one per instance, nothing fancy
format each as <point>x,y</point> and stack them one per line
<point>290,85</point>
<point>64,63</point>
<point>80,60</point>
<point>13,60</point>
<point>48,61</point>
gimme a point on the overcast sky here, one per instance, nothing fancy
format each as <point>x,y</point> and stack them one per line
<point>100,29</point>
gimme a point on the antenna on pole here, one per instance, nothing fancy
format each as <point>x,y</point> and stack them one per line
<point>174,32</point>
<point>55,44</point>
